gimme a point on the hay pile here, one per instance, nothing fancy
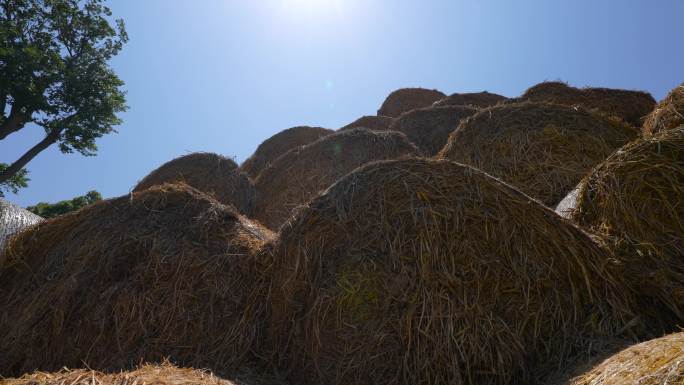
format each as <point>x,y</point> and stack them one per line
<point>544,149</point>
<point>668,114</point>
<point>475,99</point>
<point>161,374</point>
<point>375,123</point>
<point>278,144</point>
<point>164,374</point>
<point>429,128</point>
<point>423,271</point>
<point>210,173</point>
<point>14,219</point>
<point>630,106</point>
<point>406,99</point>
<point>656,362</point>
<point>166,272</point>
<point>636,199</point>
<point>302,173</point>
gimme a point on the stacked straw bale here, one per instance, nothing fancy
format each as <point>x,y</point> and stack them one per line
<point>299,175</point>
<point>668,114</point>
<point>544,149</point>
<point>423,271</point>
<point>407,99</point>
<point>475,99</point>
<point>149,374</point>
<point>278,144</point>
<point>14,219</point>
<point>630,106</point>
<point>210,173</point>
<point>166,272</point>
<point>635,198</point>
<point>375,123</point>
<point>429,128</point>
<point>656,362</point>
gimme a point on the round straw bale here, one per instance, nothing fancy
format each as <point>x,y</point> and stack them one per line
<point>210,173</point>
<point>166,272</point>
<point>636,199</point>
<point>655,362</point>
<point>429,128</point>
<point>668,114</point>
<point>152,374</point>
<point>299,175</point>
<point>375,123</point>
<point>421,271</point>
<point>280,143</point>
<point>475,99</point>
<point>406,99</point>
<point>14,219</point>
<point>544,149</point>
<point>630,106</point>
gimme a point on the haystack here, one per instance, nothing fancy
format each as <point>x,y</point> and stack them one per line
<point>656,362</point>
<point>668,114</point>
<point>630,106</point>
<point>407,99</point>
<point>423,271</point>
<point>544,149</point>
<point>375,123</point>
<point>636,199</point>
<point>280,143</point>
<point>474,99</point>
<point>149,374</point>
<point>210,173</point>
<point>166,272</point>
<point>14,219</point>
<point>429,128</point>
<point>302,173</point>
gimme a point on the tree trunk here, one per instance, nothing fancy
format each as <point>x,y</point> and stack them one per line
<point>29,155</point>
<point>14,123</point>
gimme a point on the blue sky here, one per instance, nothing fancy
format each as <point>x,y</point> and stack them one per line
<point>224,75</point>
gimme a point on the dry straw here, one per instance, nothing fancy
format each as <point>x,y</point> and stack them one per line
<point>407,99</point>
<point>210,173</point>
<point>656,362</point>
<point>167,272</point>
<point>278,144</point>
<point>164,374</point>
<point>375,123</point>
<point>630,106</point>
<point>429,128</point>
<point>424,271</point>
<point>635,198</point>
<point>302,173</point>
<point>668,114</point>
<point>474,99</point>
<point>149,374</point>
<point>544,149</point>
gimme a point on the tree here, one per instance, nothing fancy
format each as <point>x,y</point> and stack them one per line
<point>54,73</point>
<point>50,210</point>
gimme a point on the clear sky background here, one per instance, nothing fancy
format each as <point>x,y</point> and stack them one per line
<point>224,75</point>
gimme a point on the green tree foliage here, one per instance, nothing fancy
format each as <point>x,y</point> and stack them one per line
<point>54,73</point>
<point>17,181</point>
<point>50,210</point>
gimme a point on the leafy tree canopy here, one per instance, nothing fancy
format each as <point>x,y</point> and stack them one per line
<point>50,210</point>
<point>54,73</point>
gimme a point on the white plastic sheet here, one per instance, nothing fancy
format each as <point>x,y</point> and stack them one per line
<point>12,219</point>
<point>569,203</point>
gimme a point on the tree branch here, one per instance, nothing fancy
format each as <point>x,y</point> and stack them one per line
<point>14,122</point>
<point>15,167</point>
